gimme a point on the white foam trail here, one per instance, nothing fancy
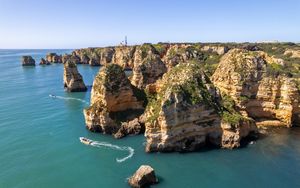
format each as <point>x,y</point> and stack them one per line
<point>68,98</point>
<point>115,147</point>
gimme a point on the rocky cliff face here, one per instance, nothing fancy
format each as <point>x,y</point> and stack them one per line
<point>71,58</point>
<point>73,81</point>
<point>147,67</point>
<point>253,80</point>
<point>53,58</point>
<point>187,114</point>
<point>44,62</point>
<point>292,53</point>
<point>216,49</point>
<point>28,61</point>
<point>124,56</point>
<point>106,55</point>
<point>181,53</point>
<point>113,100</point>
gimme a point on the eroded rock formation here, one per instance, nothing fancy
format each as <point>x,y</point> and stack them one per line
<point>216,49</point>
<point>148,67</point>
<point>259,90</point>
<point>73,81</point>
<point>293,53</point>
<point>28,61</point>
<point>133,127</point>
<point>182,53</point>
<point>106,55</point>
<point>185,110</point>
<point>44,62</point>
<point>113,100</point>
<point>70,58</point>
<point>188,114</point>
<point>53,58</point>
<point>143,177</point>
<point>124,56</point>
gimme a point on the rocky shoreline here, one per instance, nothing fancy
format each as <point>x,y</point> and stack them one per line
<point>184,97</point>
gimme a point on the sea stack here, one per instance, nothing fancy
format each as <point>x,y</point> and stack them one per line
<point>187,113</point>
<point>28,61</point>
<point>44,62</point>
<point>53,58</point>
<point>73,81</point>
<point>147,66</point>
<point>113,101</point>
<point>143,177</point>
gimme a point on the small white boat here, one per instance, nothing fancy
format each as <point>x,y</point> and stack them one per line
<point>53,96</point>
<point>85,140</point>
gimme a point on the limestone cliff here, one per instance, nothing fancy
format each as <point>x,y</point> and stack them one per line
<point>187,113</point>
<point>182,53</point>
<point>44,62</point>
<point>53,58</point>
<point>70,58</point>
<point>113,100</point>
<point>254,81</point>
<point>292,53</point>
<point>73,81</point>
<point>124,56</point>
<point>216,49</point>
<point>106,55</point>
<point>147,67</point>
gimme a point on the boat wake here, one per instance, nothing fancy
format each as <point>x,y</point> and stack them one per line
<point>68,98</point>
<point>115,147</point>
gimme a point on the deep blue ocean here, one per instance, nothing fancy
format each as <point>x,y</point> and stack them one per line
<point>40,147</point>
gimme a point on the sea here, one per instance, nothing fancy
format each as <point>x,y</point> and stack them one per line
<point>40,126</point>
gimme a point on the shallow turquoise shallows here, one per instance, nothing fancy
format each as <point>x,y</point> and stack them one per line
<point>40,147</point>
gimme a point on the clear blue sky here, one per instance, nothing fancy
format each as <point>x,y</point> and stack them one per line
<point>84,23</point>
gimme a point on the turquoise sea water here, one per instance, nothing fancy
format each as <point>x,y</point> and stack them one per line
<point>39,142</point>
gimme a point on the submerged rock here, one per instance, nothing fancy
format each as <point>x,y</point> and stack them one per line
<point>73,81</point>
<point>113,100</point>
<point>143,177</point>
<point>28,61</point>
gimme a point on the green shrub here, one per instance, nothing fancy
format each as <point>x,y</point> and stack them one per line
<point>229,113</point>
<point>275,70</point>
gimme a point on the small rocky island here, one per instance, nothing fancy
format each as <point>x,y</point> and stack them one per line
<point>28,61</point>
<point>143,177</point>
<point>73,81</point>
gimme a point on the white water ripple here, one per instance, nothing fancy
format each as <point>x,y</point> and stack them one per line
<point>68,98</point>
<point>115,147</point>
